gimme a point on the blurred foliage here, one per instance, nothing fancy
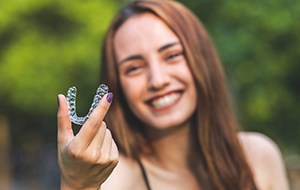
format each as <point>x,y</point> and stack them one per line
<point>259,45</point>
<point>48,46</point>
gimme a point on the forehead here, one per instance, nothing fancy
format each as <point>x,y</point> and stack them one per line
<point>142,32</point>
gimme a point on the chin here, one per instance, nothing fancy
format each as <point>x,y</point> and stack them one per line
<point>164,124</point>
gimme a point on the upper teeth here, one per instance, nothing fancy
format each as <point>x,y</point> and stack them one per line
<point>165,100</point>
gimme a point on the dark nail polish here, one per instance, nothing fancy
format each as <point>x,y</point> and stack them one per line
<point>109,97</point>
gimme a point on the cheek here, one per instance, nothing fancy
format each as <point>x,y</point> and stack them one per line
<point>185,73</point>
<point>131,90</point>
<point>189,79</point>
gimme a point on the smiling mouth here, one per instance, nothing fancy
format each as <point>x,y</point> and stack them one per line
<point>165,101</point>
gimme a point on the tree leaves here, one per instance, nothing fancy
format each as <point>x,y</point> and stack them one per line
<point>258,42</point>
<point>46,47</point>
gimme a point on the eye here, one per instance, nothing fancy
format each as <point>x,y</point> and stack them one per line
<point>132,68</point>
<point>174,56</point>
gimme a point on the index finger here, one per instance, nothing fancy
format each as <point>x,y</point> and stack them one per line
<point>91,126</point>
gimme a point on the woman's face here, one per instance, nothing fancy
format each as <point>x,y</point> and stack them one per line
<point>154,75</point>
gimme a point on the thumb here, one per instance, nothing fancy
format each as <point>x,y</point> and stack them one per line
<point>64,125</point>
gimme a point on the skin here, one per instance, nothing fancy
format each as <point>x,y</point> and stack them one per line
<point>262,154</point>
<point>265,160</point>
<point>149,70</point>
<point>152,67</point>
<point>88,158</point>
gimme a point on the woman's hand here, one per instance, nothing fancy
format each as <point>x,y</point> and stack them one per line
<point>88,158</point>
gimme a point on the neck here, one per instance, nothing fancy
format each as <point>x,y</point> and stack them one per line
<point>171,147</point>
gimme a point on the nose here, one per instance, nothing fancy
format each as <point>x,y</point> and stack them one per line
<point>158,77</point>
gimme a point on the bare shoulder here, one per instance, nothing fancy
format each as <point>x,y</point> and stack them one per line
<point>254,143</point>
<point>126,175</point>
<point>265,160</point>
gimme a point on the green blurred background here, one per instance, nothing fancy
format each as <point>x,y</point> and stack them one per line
<point>48,46</point>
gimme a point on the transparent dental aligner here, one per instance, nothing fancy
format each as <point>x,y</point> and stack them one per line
<point>71,98</point>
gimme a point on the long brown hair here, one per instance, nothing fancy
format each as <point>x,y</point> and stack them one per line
<point>219,162</point>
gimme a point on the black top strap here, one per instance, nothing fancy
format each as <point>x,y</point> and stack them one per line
<point>146,180</point>
<point>144,175</point>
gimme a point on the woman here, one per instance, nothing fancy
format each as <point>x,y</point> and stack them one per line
<point>171,119</point>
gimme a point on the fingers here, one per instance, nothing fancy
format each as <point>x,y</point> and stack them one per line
<point>109,151</point>
<point>91,126</point>
<point>98,140</point>
<point>88,157</point>
<point>64,126</point>
<point>100,154</point>
<point>114,154</point>
<point>103,148</point>
<point>106,155</point>
<point>106,148</point>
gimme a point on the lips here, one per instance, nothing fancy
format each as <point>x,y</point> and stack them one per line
<point>165,100</point>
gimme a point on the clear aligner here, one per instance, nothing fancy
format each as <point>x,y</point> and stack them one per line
<point>71,98</point>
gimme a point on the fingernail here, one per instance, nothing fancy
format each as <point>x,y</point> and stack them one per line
<point>57,100</point>
<point>109,97</point>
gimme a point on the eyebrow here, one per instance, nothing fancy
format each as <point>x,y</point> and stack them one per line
<point>139,57</point>
<point>132,57</point>
<point>168,46</point>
